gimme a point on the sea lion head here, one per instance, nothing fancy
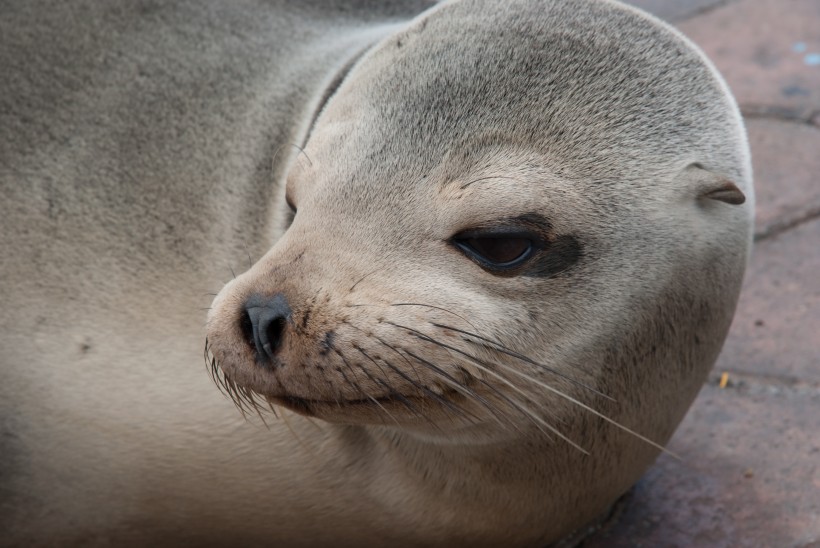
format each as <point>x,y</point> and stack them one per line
<point>508,217</point>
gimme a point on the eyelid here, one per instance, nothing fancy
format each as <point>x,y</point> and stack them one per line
<point>496,232</point>
<point>477,256</point>
<point>525,225</point>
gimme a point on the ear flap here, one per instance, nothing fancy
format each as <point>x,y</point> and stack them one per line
<point>728,193</point>
<point>711,186</point>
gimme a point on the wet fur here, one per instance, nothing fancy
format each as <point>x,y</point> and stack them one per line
<point>147,150</point>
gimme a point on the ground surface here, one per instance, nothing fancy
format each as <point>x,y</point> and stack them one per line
<point>749,473</point>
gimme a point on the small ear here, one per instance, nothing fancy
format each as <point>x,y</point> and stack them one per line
<point>728,193</point>
<point>711,186</point>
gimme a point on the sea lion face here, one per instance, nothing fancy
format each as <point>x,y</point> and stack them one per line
<point>495,237</point>
<point>400,303</point>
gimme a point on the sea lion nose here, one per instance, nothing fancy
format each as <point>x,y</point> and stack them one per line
<point>264,324</point>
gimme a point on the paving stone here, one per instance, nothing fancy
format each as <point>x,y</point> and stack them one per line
<point>768,51</point>
<point>776,330</point>
<point>674,10</point>
<point>786,161</point>
<point>749,475</point>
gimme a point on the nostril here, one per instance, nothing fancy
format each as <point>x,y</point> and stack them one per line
<point>246,326</point>
<point>275,332</point>
<point>264,324</point>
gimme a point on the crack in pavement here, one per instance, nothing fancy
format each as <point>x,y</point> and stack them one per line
<point>788,222</point>
<point>806,212</point>
<point>703,10</point>
<point>754,383</point>
<point>782,114</point>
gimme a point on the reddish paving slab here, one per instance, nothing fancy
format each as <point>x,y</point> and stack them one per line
<point>786,161</point>
<point>749,475</point>
<point>776,330</point>
<point>673,10</point>
<point>768,51</point>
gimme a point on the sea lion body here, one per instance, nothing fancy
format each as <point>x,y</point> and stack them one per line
<point>148,149</point>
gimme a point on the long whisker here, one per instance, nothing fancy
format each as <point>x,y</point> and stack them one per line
<point>555,391</point>
<point>360,280</point>
<point>358,305</point>
<point>408,404</point>
<point>390,390</point>
<point>250,262</point>
<point>413,367</point>
<point>243,398</point>
<point>465,320</point>
<point>359,387</point>
<point>250,396</point>
<point>488,178</point>
<point>460,387</point>
<point>520,408</point>
<point>382,407</point>
<point>299,440</point>
<point>420,387</point>
<point>513,354</point>
<point>539,422</point>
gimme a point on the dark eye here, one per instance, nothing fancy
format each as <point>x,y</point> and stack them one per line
<point>497,251</point>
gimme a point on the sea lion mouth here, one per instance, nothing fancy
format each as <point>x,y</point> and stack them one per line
<point>311,407</point>
<point>390,404</point>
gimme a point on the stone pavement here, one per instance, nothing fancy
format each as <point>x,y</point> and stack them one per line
<point>749,473</point>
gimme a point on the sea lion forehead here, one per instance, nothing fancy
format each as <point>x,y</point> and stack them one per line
<point>575,78</point>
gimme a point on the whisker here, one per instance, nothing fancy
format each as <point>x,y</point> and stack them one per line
<point>490,177</point>
<point>513,354</point>
<point>412,408</point>
<point>438,308</point>
<point>539,422</point>
<point>370,335</point>
<point>302,151</point>
<point>358,386</point>
<point>250,397</point>
<point>423,389</point>
<point>250,262</point>
<point>299,440</point>
<point>234,397</point>
<point>243,399</point>
<point>528,413</point>
<point>383,409</point>
<point>555,391</point>
<point>500,418</point>
<point>362,278</point>
<point>456,385</point>
<point>271,407</point>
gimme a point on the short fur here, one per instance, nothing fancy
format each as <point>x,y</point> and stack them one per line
<point>146,149</point>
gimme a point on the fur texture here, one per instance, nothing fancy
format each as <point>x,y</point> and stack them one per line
<point>146,149</point>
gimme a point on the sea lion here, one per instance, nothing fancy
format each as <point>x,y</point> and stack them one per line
<point>502,244</point>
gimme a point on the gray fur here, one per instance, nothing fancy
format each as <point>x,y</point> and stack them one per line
<point>145,150</point>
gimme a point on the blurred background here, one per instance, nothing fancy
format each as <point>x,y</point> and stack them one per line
<point>749,473</point>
